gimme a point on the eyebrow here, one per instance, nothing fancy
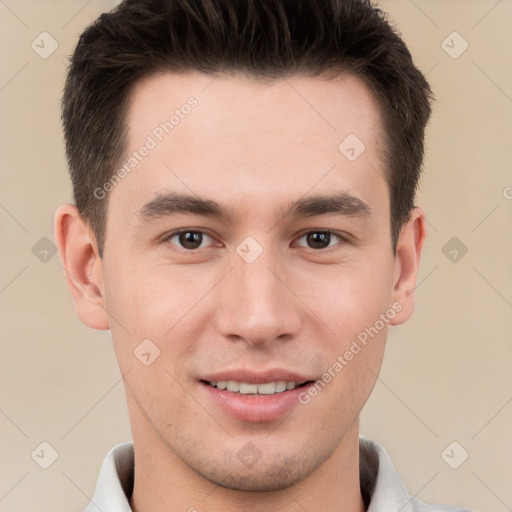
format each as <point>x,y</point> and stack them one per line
<point>170,203</point>
<point>339,204</point>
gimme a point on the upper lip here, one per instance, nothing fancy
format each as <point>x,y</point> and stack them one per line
<point>253,377</point>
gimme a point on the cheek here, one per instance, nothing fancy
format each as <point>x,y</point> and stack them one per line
<point>348,298</point>
<point>153,336</point>
<point>352,372</point>
<point>155,312</point>
<point>151,302</point>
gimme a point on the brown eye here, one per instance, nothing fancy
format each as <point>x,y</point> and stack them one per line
<point>189,240</point>
<point>320,239</point>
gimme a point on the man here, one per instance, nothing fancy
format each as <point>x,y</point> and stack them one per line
<point>244,174</point>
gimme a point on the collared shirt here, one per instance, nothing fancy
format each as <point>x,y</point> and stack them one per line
<point>381,487</point>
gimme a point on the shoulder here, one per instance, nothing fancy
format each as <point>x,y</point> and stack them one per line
<point>115,481</point>
<point>381,486</point>
<point>419,506</point>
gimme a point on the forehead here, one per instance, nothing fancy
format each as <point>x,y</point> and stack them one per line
<point>257,136</point>
<point>297,104</point>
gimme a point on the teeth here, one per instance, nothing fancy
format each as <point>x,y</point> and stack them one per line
<point>248,389</point>
<point>267,389</point>
<point>231,385</point>
<point>280,386</point>
<point>245,388</point>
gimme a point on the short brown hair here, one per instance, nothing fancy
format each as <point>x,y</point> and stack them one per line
<point>260,38</point>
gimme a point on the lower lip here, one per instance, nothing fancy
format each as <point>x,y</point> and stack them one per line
<point>255,408</point>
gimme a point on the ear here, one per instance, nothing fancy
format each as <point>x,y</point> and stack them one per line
<point>408,251</point>
<point>83,267</point>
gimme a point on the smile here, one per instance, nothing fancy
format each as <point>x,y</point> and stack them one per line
<point>266,388</point>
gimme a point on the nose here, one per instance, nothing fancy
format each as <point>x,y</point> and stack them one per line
<point>256,302</point>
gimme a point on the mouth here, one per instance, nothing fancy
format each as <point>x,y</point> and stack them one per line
<point>255,399</point>
<point>265,388</point>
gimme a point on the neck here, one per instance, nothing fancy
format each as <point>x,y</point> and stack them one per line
<point>163,482</point>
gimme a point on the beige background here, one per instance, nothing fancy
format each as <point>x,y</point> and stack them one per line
<point>447,374</point>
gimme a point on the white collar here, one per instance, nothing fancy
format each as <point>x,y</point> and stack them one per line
<point>378,479</point>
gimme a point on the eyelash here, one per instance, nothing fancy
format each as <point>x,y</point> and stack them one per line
<point>173,234</point>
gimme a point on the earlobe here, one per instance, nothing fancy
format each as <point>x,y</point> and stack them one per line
<point>82,265</point>
<point>407,260</point>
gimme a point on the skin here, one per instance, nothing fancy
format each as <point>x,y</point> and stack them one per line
<point>254,147</point>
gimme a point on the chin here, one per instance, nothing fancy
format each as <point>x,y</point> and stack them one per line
<point>256,481</point>
<point>265,475</point>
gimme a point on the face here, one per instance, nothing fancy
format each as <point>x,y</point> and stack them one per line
<point>249,246</point>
